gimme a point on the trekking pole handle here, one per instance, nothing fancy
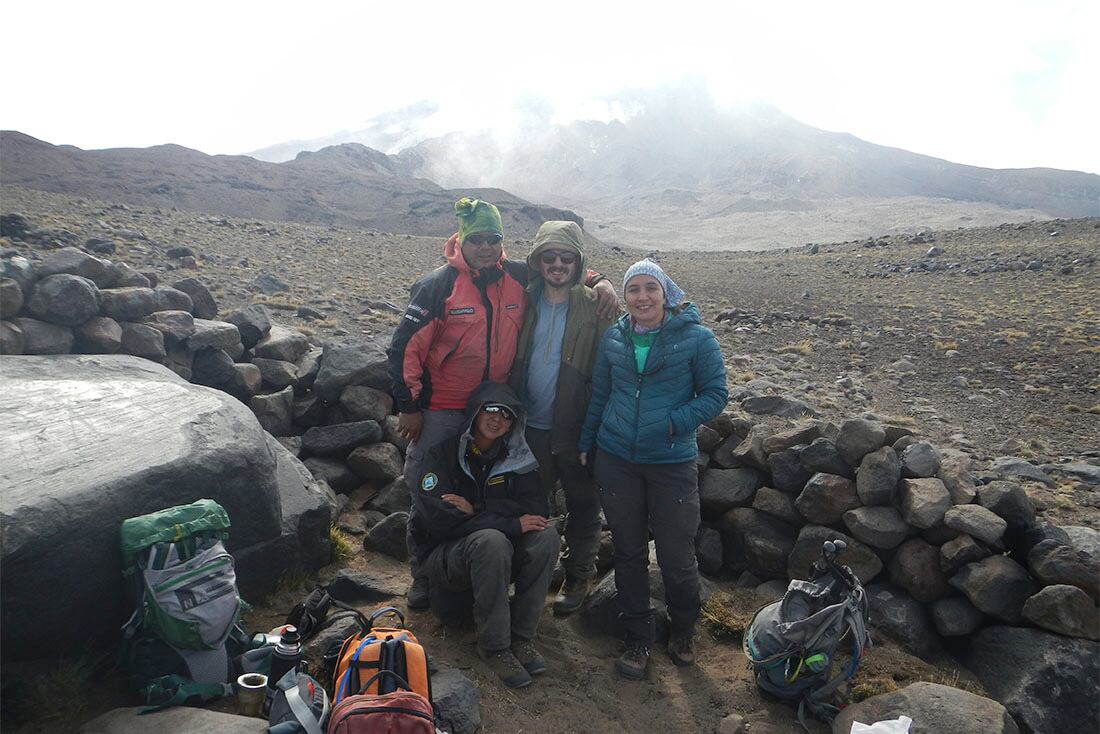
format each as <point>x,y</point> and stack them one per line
<point>383,612</point>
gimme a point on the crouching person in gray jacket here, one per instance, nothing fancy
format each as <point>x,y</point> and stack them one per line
<point>479,523</point>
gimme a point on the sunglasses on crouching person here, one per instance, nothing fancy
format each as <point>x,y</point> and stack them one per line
<point>567,258</point>
<point>505,412</point>
<point>483,239</point>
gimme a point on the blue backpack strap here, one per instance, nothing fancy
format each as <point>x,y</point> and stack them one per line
<point>342,689</point>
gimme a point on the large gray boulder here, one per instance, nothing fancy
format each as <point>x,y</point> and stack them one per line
<point>203,305</point>
<point>1055,563</point>
<point>253,321</point>
<point>341,438</point>
<point>87,442</point>
<point>77,262</point>
<point>955,616</point>
<point>807,549</point>
<point>977,522</point>
<point>1064,609</point>
<point>919,460</point>
<point>787,471</point>
<point>64,299</point>
<point>282,343</point>
<point>924,502</point>
<point>364,403</point>
<point>723,489</point>
<point>42,337</point>
<point>903,618</point>
<point>1009,501</point>
<point>1048,683</point>
<point>915,567</point>
<point>825,499</point>
<point>878,527</point>
<point>878,475</point>
<point>98,335</point>
<point>457,701</point>
<point>997,585</point>
<point>934,709</point>
<point>757,541</point>
<point>859,437</point>
<point>128,304</point>
<point>178,720</point>
<point>360,364</point>
<point>821,456</point>
<point>303,544</point>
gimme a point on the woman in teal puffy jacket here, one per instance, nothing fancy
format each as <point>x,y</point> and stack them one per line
<point>659,374</point>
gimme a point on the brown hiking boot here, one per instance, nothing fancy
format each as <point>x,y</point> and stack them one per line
<point>633,662</point>
<point>572,595</point>
<point>529,657</point>
<point>682,651</point>
<point>506,666</point>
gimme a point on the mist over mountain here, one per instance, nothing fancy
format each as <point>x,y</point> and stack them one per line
<point>347,184</point>
<point>680,170</point>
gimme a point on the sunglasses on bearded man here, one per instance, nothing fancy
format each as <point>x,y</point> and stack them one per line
<point>549,256</point>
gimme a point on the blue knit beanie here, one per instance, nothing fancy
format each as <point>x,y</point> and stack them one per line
<point>673,295</point>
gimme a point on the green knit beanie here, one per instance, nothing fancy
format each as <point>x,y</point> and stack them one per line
<point>476,216</point>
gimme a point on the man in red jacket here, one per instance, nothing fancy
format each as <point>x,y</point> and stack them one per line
<point>460,329</point>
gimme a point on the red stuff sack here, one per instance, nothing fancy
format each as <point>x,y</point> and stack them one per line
<point>399,712</point>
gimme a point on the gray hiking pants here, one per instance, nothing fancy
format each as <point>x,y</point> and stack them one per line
<point>437,425</point>
<point>662,499</point>
<point>582,503</point>
<point>486,561</point>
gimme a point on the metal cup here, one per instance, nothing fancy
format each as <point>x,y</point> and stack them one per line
<point>251,690</point>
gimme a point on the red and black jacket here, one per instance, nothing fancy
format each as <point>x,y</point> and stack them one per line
<point>459,330</point>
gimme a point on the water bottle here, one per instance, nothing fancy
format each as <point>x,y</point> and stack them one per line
<point>287,655</point>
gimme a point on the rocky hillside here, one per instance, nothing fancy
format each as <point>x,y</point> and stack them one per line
<point>683,172</point>
<point>348,185</point>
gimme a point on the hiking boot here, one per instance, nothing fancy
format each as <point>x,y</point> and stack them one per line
<point>507,668</point>
<point>682,651</point>
<point>529,657</point>
<point>572,595</point>
<point>632,663</point>
<point>419,596</point>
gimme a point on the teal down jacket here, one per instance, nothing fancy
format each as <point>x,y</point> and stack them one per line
<point>682,385</point>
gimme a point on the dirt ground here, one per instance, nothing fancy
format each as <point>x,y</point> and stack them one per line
<point>991,361</point>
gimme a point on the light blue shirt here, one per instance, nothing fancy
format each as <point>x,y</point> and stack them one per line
<point>545,363</point>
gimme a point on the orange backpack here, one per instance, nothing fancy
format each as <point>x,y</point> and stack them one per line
<point>376,649</point>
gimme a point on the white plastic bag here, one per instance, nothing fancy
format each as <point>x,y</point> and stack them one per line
<point>899,725</point>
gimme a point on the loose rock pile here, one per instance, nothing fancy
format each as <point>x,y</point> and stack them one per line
<point>328,404</point>
<point>945,550</point>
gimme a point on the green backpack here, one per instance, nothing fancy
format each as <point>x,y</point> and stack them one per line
<point>181,641</point>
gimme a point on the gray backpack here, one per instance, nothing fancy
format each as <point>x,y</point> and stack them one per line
<point>792,643</point>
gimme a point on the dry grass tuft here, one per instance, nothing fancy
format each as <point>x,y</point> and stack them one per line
<point>341,546</point>
<point>727,615</point>
<point>804,348</point>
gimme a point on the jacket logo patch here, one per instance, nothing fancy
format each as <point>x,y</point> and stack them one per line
<point>418,309</point>
<point>461,311</point>
<point>429,482</point>
<point>511,306</point>
<point>499,479</point>
<point>412,318</point>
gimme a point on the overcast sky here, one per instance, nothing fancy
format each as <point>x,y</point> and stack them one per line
<point>1005,83</point>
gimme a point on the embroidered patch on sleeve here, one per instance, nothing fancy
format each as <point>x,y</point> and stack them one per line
<point>429,482</point>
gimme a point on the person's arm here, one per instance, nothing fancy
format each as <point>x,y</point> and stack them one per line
<point>601,390</point>
<point>607,300</point>
<point>407,354</point>
<point>709,377</point>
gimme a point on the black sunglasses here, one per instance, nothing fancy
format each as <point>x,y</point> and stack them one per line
<point>483,239</point>
<point>567,258</point>
<point>504,410</point>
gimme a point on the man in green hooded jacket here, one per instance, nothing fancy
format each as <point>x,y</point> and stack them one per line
<point>552,373</point>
